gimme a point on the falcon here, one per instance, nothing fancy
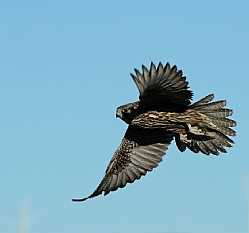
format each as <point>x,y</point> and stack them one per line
<point>163,113</point>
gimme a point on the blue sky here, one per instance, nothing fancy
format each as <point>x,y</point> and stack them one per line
<point>64,69</point>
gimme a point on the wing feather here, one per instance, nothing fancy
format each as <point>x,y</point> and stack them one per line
<point>146,74</point>
<point>153,73</point>
<point>130,176</point>
<point>162,85</point>
<point>140,151</point>
<point>113,184</point>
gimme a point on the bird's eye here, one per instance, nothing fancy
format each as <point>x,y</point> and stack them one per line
<point>125,110</point>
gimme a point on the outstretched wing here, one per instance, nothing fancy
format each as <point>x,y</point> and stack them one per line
<point>162,85</point>
<point>140,151</point>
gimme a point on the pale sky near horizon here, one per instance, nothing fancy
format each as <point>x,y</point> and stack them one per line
<point>64,69</point>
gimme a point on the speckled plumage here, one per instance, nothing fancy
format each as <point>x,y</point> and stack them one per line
<point>164,112</point>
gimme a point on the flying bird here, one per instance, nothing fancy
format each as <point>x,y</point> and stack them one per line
<point>163,113</point>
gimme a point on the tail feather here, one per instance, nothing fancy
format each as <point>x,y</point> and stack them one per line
<point>211,106</point>
<point>223,122</point>
<point>219,113</point>
<point>203,148</point>
<point>203,100</point>
<point>226,130</point>
<point>210,145</point>
<point>223,139</point>
<point>216,128</point>
<point>217,145</point>
<point>211,148</point>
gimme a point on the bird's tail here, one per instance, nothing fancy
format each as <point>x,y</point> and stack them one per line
<point>216,131</point>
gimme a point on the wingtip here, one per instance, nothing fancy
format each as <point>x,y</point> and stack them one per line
<point>152,66</point>
<point>80,200</point>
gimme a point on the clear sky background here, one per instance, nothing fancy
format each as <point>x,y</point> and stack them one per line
<point>64,69</point>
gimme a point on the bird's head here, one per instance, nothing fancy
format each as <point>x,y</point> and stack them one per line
<point>127,112</point>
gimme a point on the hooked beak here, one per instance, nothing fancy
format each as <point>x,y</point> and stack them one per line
<point>119,113</point>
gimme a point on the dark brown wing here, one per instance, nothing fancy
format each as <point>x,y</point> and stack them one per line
<point>140,151</point>
<point>162,85</point>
